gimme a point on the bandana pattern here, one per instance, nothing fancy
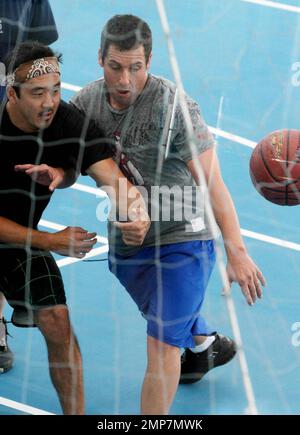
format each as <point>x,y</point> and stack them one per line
<point>37,69</point>
<point>41,67</point>
<point>10,79</point>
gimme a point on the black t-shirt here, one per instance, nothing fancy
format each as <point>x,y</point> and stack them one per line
<point>69,142</point>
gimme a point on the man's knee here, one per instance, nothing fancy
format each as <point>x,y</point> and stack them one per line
<point>159,348</point>
<point>163,358</point>
<point>54,323</point>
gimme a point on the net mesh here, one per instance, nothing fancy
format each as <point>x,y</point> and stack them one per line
<point>212,51</point>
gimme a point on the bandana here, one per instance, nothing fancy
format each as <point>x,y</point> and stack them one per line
<point>28,71</point>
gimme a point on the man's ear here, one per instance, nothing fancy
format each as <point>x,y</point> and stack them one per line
<point>100,60</point>
<point>149,60</point>
<point>11,95</point>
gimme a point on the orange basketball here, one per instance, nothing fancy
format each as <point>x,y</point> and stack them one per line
<point>275,167</point>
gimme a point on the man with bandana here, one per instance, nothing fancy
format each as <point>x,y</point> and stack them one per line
<point>45,143</point>
<point>20,20</point>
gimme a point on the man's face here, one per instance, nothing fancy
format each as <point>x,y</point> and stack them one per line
<point>38,102</point>
<point>125,74</point>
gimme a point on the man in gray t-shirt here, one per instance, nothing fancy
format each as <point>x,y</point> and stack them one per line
<point>168,274</point>
<point>139,138</point>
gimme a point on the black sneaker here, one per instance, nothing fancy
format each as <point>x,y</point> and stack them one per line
<point>195,365</point>
<point>6,355</point>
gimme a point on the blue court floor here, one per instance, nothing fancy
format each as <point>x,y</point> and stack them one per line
<point>240,53</point>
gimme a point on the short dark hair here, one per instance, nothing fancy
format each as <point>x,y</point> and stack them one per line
<point>25,52</point>
<point>126,32</point>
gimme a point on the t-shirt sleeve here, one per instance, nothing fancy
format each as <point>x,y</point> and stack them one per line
<point>96,148</point>
<point>78,102</point>
<point>86,100</point>
<point>43,27</point>
<point>202,136</point>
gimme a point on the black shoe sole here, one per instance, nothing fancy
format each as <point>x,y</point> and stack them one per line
<point>6,367</point>
<point>6,361</point>
<point>191,378</point>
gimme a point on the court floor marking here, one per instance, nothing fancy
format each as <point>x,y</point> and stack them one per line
<point>22,407</point>
<point>88,189</point>
<point>273,240</point>
<point>58,227</point>
<point>233,137</point>
<point>275,5</point>
<point>247,233</point>
<point>70,260</point>
<point>70,87</point>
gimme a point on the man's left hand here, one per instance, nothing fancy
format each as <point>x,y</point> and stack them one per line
<point>244,271</point>
<point>43,174</point>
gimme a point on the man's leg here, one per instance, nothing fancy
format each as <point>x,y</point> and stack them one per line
<point>2,303</point>
<point>6,356</point>
<point>64,356</point>
<point>161,378</point>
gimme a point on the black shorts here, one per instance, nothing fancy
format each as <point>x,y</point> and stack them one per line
<point>30,281</point>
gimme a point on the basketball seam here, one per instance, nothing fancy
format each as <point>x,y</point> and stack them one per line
<point>274,190</point>
<point>266,166</point>
<point>287,164</point>
<point>296,180</point>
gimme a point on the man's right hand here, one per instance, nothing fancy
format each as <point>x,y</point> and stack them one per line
<point>135,231</point>
<point>72,242</point>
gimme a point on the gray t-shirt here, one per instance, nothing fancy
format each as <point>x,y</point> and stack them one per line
<point>138,136</point>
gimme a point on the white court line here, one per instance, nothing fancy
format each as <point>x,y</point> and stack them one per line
<point>58,227</point>
<point>70,87</point>
<point>247,233</point>
<point>273,240</point>
<point>232,137</point>
<point>275,5</point>
<point>22,407</point>
<point>88,189</point>
<point>70,260</point>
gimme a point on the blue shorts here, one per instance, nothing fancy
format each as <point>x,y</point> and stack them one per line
<point>168,285</point>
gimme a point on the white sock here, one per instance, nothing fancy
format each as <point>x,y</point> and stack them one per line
<point>205,345</point>
<point>2,333</point>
